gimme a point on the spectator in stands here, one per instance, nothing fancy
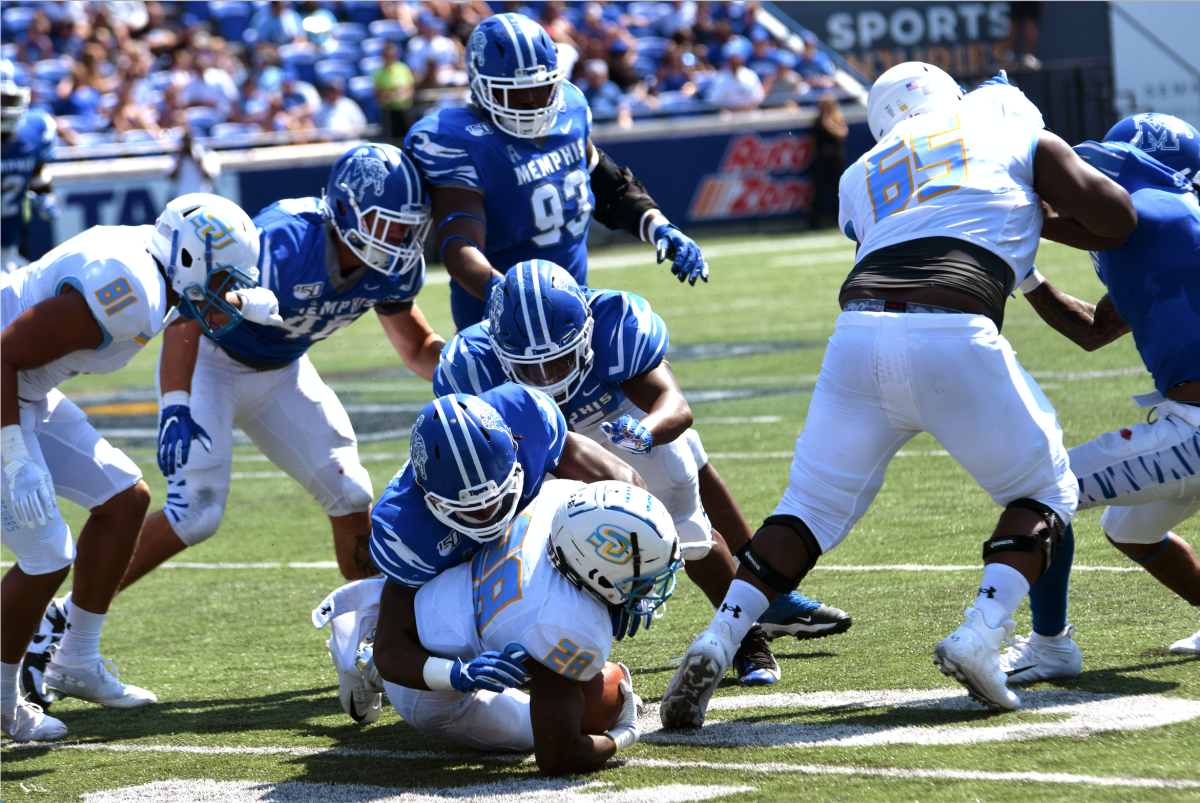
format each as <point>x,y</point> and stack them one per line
<point>733,13</point>
<point>35,44</point>
<point>603,96</point>
<point>210,86</point>
<point>736,87</point>
<point>254,104</point>
<point>172,108</point>
<point>299,100</point>
<point>394,91</point>
<point>158,35</point>
<point>675,74</point>
<point>268,75</point>
<point>815,67</point>
<point>277,24</point>
<point>338,113</point>
<point>129,115</point>
<point>464,17</point>
<point>762,58</point>
<point>194,167</point>
<point>594,25</point>
<point>430,42</point>
<point>681,15</point>
<point>829,160</point>
<point>557,26</point>
<point>316,21</point>
<point>622,60</point>
<point>784,85</point>
<point>77,93</point>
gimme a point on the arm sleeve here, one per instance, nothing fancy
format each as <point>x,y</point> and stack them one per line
<point>390,308</point>
<point>440,159</point>
<point>621,200</point>
<point>630,338</point>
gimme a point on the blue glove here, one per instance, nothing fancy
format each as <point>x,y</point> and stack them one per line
<point>628,433</point>
<point>625,623</point>
<point>491,671</point>
<point>687,261</point>
<point>176,431</point>
<point>1001,79</point>
<point>45,204</point>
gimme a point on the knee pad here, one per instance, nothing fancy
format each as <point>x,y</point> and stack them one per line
<point>348,489</point>
<point>695,538</point>
<point>1045,541</point>
<point>763,571</point>
<point>194,517</point>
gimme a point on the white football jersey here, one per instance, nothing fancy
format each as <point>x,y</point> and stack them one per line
<point>127,295</point>
<point>510,593</point>
<point>965,173</point>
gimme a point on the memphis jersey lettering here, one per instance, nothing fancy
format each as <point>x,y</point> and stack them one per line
<point>1154,277</point>
<point>537,193</point>
<point>19,160</point>
<point>412,547</point>
<point>299,260</point>
<point>629,339</point>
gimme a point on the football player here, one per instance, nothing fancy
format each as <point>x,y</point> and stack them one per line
<point>89,306</point>
<point>475,463</point>
<point>1148,473</point>
<point>533,606</point>
<point>515,175</point>
<point>329,261</point>
<point>945,211</point>
<point>26,139</point>
<point>599,354</point>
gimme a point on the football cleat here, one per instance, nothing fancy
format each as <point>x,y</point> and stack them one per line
<point>971,655</point>
<point>96,682</point>
<point>28,723</point>
<point>686,701</point>
<point>360,689</point>
<point>1187,646</point>
<point>754,662</point>
<point>796,615</point>
<point>41,649</point>
<point>1028,660</point>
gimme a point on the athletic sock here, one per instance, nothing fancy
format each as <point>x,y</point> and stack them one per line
<point>1048,596</point>
<point>742,606</point>
<point>1000,593</point>
<point>9,674</point>
<point>81,642</point>
<point>1061,639</point>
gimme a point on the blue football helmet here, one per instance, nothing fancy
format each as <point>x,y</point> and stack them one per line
<point>510,53</point>
<point>207,246</point>
<point>617,543</point>
<point>540,328</point>
<point>1170,141</point>
<point>14,98</point>
<point>378,179</point>
<point>465,459</point>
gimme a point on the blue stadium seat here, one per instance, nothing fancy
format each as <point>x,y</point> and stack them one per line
<point>52,69</point>
<point>573,14</point>
<point>95,138</point>
<point>640,31</point>
<point>373,47</point>
<point>227,131</point>
<point>364,13</point>
<point>369,65</point>
<point>232,17</point>
<point>389,30</point>
<point>159,80</point>
<point>204,117</point>
<point>675,103</point>
<point>651,11</point>
<point>652,47</point>
<point>138,135</point>
<point>346,51</point>
<point>350,32</point>
<point>645,67</point>
<point>16,20</point>
<point>335,68</point>
<point>77,123</point>
<point>9,50</point>
<point>362,91</point>
<point>302,58</point>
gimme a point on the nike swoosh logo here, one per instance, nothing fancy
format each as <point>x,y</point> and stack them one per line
<point>370,287</point>
<point>567,127</point>
<point>591,392</point>
<point>357,717</point>
<point>1012,672</point>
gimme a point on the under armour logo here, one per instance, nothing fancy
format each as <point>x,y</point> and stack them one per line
<point>737,609</point>
<point>991,592</point>
<point>325,609</point>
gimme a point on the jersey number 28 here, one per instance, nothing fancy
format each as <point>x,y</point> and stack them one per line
<point>548,208</point>
<point>939,166</point>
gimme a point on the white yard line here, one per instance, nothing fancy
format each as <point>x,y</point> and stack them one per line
<point>891,567</point>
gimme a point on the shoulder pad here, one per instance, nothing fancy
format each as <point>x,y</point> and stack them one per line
<point>440,157</point>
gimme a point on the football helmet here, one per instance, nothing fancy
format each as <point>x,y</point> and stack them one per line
<point>617,543</point>
<point>1168,140</point>
<point>540,327</point>
<point>907,90</point>
<point>14,98</point>
<point>465,459</point>
<point>510,53</point>
<point>198,237</point>
<point>380,179</point>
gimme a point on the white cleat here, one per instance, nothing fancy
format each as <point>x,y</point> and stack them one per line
<point>1187,646</point>
<point>95,683</point>
<point>971,655</point>
<point>1029,660</point>
<point>28,723</point>
<point>686,701</point>
<point>359,687</point>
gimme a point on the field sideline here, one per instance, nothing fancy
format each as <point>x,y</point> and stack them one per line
<point>248,706</point>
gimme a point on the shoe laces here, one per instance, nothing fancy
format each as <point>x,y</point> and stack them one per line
<point>755,651</point>
<point>112,668</point>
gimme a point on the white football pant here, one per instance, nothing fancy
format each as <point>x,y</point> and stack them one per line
<point>482,719</point>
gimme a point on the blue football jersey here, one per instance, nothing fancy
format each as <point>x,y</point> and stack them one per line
<point>1154,277</point>
<point>300,267</point>
<point>20,158</point>
<point>537,193</point>
<point>412,547</point>
<point>628,339</point>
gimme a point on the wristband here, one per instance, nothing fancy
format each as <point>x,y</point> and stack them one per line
<point>12,443</point>
<point>173,398</point>
<point>623,737</point>
<point>437,674</point>
<point>656,217</point>
<point>456,215</point>
<point>1031,282</point>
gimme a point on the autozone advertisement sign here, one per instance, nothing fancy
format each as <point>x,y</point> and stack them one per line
<point>759,176</point>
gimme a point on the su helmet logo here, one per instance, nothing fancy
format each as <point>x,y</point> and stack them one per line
<point>361,173</point>
<point>209,222</point>
<point>612,544</point>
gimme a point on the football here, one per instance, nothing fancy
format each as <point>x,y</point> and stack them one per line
<point>602,700</point>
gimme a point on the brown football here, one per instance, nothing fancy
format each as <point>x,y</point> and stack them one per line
<point>602,700</point>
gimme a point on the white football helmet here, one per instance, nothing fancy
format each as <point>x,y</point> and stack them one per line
<point>618,543</point>
<point>907,90</point>
<point>199,235</point>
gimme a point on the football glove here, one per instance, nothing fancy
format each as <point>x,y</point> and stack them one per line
<point>259,305</point>
<point>1000,79</point>
<point>45,204</point>
<point>626,624</point>
<point>686,260</point>
<point>176,431</point>
<point>628,433</point>
<point>491,671</point>
<point>359,687</point>
<point>626,731</point>
<point>31,491</point>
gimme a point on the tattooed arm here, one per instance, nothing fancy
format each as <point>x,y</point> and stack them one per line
<point>1088,326</point>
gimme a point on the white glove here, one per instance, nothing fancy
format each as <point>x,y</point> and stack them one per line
<point>626,732</point>
<point>259,305</point>
<point>30,488</point>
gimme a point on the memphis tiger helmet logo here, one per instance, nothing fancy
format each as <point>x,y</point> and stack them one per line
<point>612,544</point>
<point>209,222</point>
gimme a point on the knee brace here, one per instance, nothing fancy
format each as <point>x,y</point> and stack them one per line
<point>348,489</point>
<point>763,571</point>
<point>1046,541</point>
